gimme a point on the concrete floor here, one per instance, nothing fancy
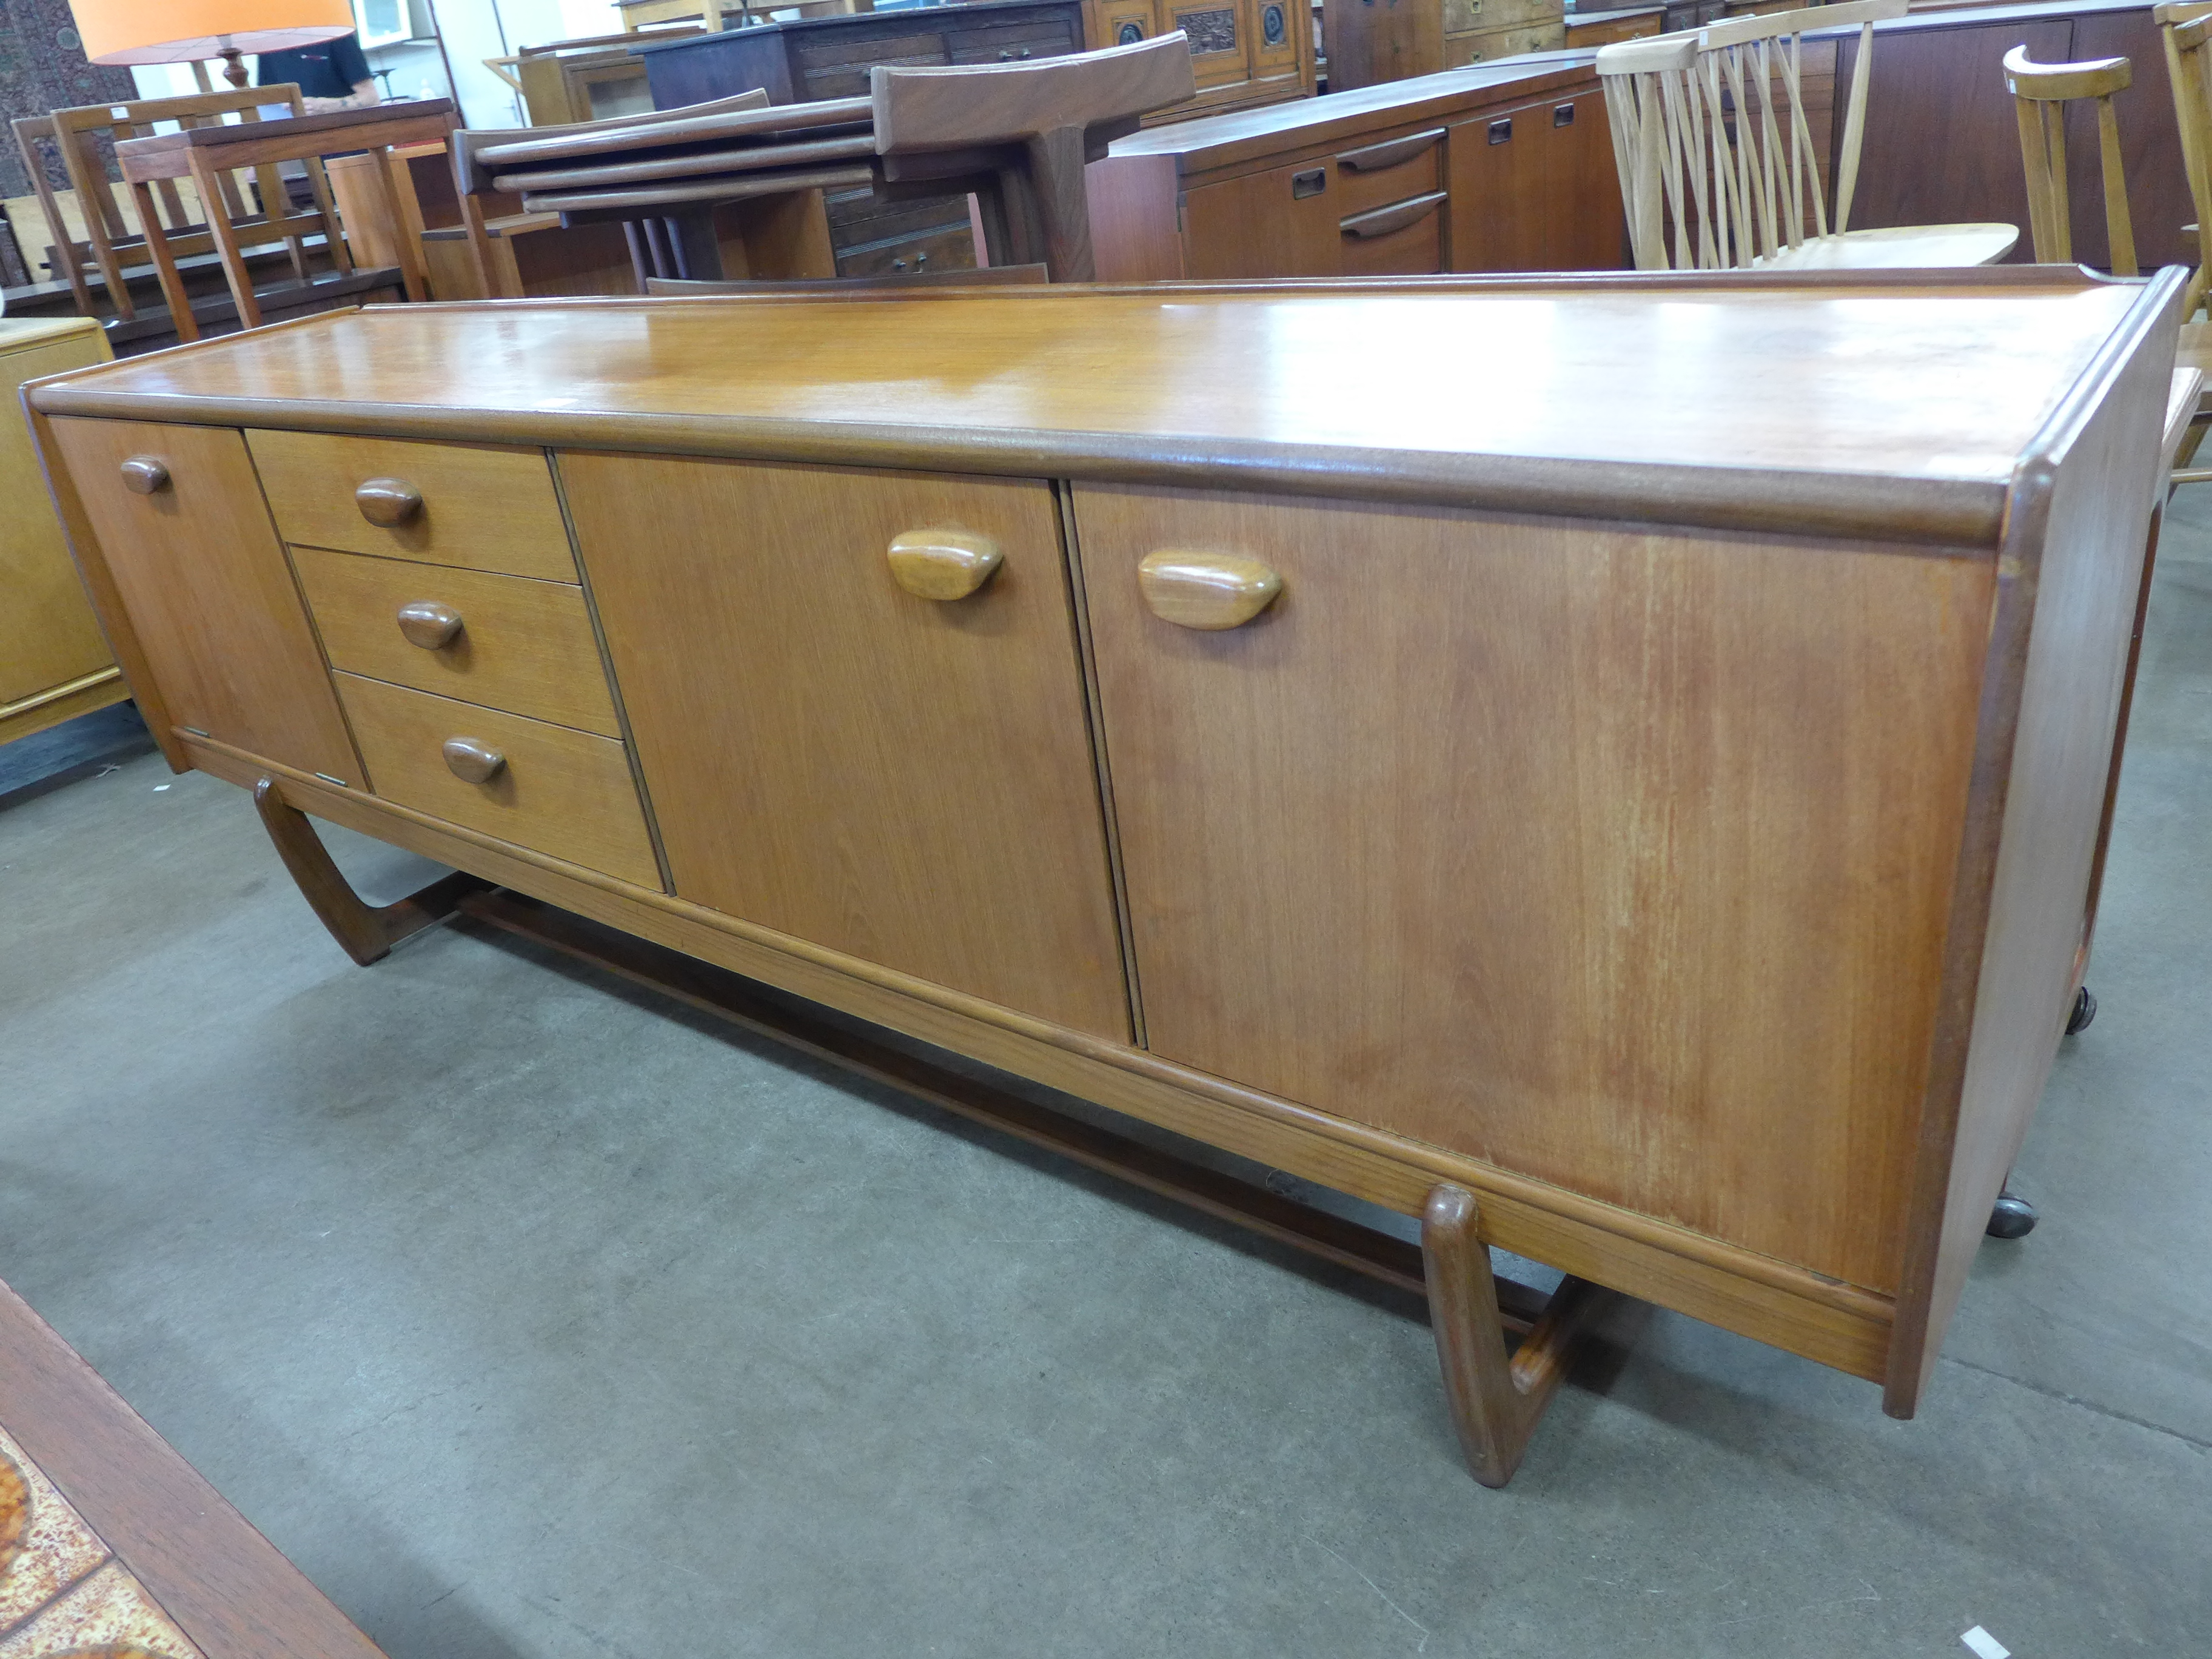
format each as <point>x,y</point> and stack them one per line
<point>532,1319</point>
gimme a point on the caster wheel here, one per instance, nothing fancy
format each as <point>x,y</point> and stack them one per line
<point>2011,1218</point>
<point>2085,1009</point>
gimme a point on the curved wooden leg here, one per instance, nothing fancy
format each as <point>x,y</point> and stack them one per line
<point>1496,1402</point>
<point>367,932</point>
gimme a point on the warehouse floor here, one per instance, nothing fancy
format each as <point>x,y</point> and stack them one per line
<point>531,1318</point>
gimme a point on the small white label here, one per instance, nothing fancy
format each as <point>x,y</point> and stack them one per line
<point>1985,1644</point>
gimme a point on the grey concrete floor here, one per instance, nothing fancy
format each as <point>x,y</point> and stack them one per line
<point>531,1318</point>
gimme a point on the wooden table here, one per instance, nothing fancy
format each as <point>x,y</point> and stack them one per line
<point>1611,767</point>
<point>114,1544</point>
<point>202,154</point>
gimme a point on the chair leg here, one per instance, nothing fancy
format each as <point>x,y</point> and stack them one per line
<point>366,932</point>
<point>1055,169</point>
<point>1496,1401</point>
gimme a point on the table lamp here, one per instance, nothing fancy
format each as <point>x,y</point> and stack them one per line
<point>118,31</point>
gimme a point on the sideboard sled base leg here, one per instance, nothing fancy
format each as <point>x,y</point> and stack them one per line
<point>366,932</point>
<point>1496,1399</point>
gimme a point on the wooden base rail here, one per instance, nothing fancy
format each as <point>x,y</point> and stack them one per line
<point>1496,1398</point>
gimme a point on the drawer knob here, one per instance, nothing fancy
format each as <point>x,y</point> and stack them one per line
<point>472,762</point>
<point>144,474</point>
<point>429,624</point>
<point>388,501</point>
<point>1206,590</point>
<point>943,564</point>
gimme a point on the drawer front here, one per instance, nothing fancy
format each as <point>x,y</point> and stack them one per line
<point>1014,43</point>
<point>947,247</point>
<point>1403,239</point>
<point>1394,170</point>
<point>1474,16</point>
<point>1494,44</point>
<point>525,646</point>
<point>483,507</point>
<point>568,794</point>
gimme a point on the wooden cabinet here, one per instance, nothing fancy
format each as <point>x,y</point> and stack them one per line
<point>53,663</point>
<point>228,649</point>
<point>1373,41</point>
<point>1550,750</point>
<point>1243,52</point>
<point>904,779</point>
<point>1499,169</point>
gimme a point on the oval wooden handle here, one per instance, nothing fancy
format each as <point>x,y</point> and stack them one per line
<point>472,762</point>
<point>144,474</point>
<point>429,624</point>
<point>388,501</point>
<point>1206,590</point>
<point>943,564</point>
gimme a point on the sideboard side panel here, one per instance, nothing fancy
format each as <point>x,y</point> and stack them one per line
<point>198,568</point>
<point>1617,858</point>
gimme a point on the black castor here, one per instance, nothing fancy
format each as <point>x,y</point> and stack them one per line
<point>2011,1218</point>
<point>2085,1009</point>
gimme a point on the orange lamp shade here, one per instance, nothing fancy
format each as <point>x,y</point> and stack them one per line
<point>185,30</point>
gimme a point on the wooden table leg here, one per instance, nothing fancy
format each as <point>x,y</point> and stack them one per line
<point>1055,159</point>
<point>405,248</point>
<point>205,180</point>
<point>1496,1402</point>
<point>165,265</point>
<point>367,932</point>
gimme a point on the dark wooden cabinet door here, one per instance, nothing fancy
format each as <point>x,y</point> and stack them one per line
<point>208,589</point>
<point>1535,188</point>
<point>907,781</point>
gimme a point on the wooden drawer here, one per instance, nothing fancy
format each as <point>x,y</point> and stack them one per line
<point>948,248</point>
<point>1009,43</point>
<point>1396,170</point>
<point>524,646</point>
<point>483,507</point>
<point>1480,17</point>
<point>1404,239</point>
<point>1493,44</point>
<point>568,794</point>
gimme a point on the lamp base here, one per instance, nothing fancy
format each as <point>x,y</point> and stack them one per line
<point>234,66</point>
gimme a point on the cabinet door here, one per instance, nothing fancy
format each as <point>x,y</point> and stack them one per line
<point>208,590</point>
<point>1622,861</point>
<point>1282,222</point>
<point>909,780</point>
<point>1535,188</point>
<point>47,636</point>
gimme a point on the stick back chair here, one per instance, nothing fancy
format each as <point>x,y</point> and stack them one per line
<point>110,237</point>
<point>2185,32</point>
<point>1712,140</point>
<point>2041,93</point>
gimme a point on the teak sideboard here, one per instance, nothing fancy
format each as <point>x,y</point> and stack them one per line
<point>1644,822</point>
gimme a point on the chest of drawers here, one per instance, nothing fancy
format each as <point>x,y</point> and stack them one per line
<point>1656,805</point>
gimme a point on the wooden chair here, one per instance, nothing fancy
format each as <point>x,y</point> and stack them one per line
<point>113,233</point>
<point>1712,140</point>
<point>2041,93</point>
<point>2185,32</point>
<point>1034,126</point>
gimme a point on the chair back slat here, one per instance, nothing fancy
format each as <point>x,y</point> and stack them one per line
<point>2041,93</point>
<point>2185,32</point>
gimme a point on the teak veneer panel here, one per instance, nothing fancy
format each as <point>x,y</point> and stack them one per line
<point>1508,836</point>
<point>566,793</point>
<point>903,780</point>
<point>230,648</point>
<point>525,646</point>
<point>483,507</point>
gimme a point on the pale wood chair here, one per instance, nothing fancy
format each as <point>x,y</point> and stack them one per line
<point>1713,143</point>
<point>2185,32</point>
<point>114,232</point>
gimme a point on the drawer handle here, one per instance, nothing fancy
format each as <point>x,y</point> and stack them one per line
<point>429,624</point>
<point>1383,220</point>
<point>943,564</point>
<point>1391,153</point>
<point>1206,590</point>
<point>388,501</point>
<point>144,474</point>
<point>472,762</point>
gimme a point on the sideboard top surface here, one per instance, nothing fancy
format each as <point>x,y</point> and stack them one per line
<point>1896,409</point>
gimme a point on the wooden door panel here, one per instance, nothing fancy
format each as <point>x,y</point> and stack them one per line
<point>907,781</point>
<point>208,591</point>
<point>1541,192</point>
<point>1618,859</point>
<point>1282,222</point>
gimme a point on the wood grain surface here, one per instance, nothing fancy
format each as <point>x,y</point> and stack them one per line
<point>229,645</point>
<point>1618,859</point>
<point>483,507</point>
<point>523,645</point>
<point>562,792</point>
<point>904,779</point>
<point>1899,414</point>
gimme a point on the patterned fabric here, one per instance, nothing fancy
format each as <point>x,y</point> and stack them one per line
<point>42,68</point>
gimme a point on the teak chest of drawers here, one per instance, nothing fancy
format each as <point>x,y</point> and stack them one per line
<point>1645,823</point>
